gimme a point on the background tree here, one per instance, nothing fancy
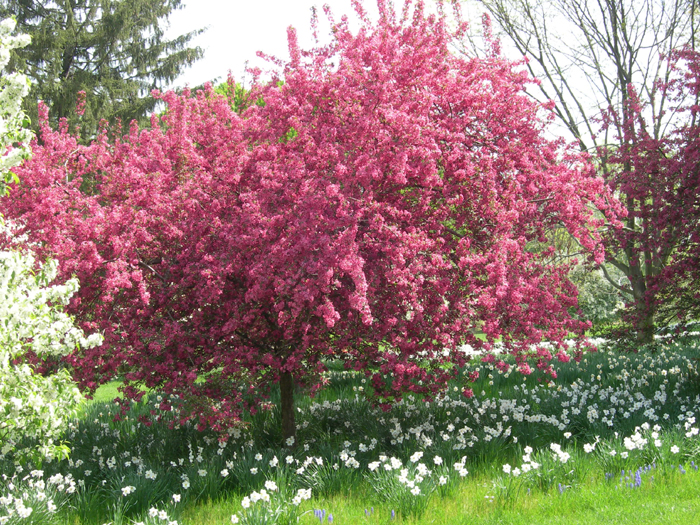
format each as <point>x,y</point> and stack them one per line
<point>587,56</point>
<point>663,174</point>
<point>378,208</point>
<point>114,50</point>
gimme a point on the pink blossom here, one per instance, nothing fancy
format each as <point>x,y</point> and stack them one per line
<point>378,211</point>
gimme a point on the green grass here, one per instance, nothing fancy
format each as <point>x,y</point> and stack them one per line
<point>671,500</point>
<point>655,397</point>
<point>107,392</point>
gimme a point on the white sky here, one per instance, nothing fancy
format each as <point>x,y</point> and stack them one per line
<point>237,29</point>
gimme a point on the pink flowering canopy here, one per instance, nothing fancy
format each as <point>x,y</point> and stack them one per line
<point>657,173</point>
<point>379,202</point>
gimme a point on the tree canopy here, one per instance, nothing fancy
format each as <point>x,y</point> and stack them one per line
<point>660,179</point>
<point>380,204</point>
<point>113,50</point>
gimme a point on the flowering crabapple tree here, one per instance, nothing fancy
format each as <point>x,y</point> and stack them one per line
<point>32,319</point>
<point>659,176</point>
<point>379,201</point>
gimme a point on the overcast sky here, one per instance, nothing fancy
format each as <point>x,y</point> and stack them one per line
<point>237,29</point>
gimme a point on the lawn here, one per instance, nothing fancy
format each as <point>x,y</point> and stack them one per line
<point>613,440</point>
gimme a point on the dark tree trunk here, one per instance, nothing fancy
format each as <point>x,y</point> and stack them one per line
<point>289,428</point>
<point>645,325</point>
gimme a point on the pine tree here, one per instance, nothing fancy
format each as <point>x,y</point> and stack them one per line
<point>114,50</point>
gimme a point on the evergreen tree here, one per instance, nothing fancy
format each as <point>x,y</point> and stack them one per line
<point>114,50</point>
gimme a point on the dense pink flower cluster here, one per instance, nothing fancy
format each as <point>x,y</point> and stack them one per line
<point>379,202</point>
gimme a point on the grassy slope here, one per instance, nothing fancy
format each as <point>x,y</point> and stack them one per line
<point>671,500</point>
<point>107,392</point>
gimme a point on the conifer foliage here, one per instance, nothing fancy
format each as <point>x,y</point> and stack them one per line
<point>114,50</point>
<point>379,202</point>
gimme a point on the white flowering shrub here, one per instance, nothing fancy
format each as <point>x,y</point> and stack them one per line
<point>31,311</point>
<point>32,319</point>
<point>14,135</point>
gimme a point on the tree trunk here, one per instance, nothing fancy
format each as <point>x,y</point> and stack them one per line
<point>644,313</point>
<point>289,428</point>
<point>645,325</point>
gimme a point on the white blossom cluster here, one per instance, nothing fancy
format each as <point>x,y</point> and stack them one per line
<point>528,463</point>
<point>32,496</point>
<point>267,505</point>
<point>31,310</point>
<point>14,137</point>
<point>32,319</point>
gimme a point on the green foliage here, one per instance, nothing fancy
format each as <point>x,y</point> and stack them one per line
<point>598,299</point>
<point>114,51</point>
<point>239,97</point>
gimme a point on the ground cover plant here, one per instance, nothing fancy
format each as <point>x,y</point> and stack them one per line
<point>613,422</point>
